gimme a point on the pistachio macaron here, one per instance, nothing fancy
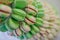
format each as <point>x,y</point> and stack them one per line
<point>30,19</point>
<point>31,10</point>
<point>5,12</point>
<point>20,4</point>
<point>18,14</point>
<point>18,32</point>
<point>25,27</point>
<point>38,5</point>
<point>5,8</point>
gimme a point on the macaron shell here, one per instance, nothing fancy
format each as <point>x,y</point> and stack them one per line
<point>17,17</point>
<point>20,4</point>
<point>28,22</point>
<point>39,22</point>
<point>25,27</point>
<point>31,18</point>
<point>18,32</point>
<point>5,8</point>
<point>2,14</point>
<point>19,13</point>
<point>40,14</point>
<point>30,12</point>
<point>32,7</point>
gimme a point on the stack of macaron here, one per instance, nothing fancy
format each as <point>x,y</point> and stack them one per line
<point>30,19</point>
<point>50,27</point>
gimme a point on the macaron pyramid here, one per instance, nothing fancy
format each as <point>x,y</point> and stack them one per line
<point>29,19</point>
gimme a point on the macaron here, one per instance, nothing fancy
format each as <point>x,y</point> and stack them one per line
<point>30,19</point>
<point>20,4</point>
<point>13,24</point>
<point>25,27</point>
<point>31,10</point>
<point>40,14</point>
<point>38,5</point>
<point>18,14</point>
<point>18,32</point>
<point>5,8</point>
<point>5,12</point>
<point>39,22</point>
<point>3,16</point>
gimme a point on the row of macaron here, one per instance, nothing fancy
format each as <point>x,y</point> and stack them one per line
<point>29,9</point>
<point>16,15</point>
<point>22,4</point>
<point>14,24</point>
<point>11,23</point>
<point>46,33</point>
<point>6,11</point>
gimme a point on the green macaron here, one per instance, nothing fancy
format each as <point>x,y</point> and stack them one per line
<point>18,14</point>
<point>30,19</point>
<point>39,22</point>
<point>38,5</point>
<point>13,24</point>
<point>20,4</point>
<point>5,12</point>
<point>40,14</point>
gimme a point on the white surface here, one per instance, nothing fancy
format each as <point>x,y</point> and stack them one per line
<point>5,36</point>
